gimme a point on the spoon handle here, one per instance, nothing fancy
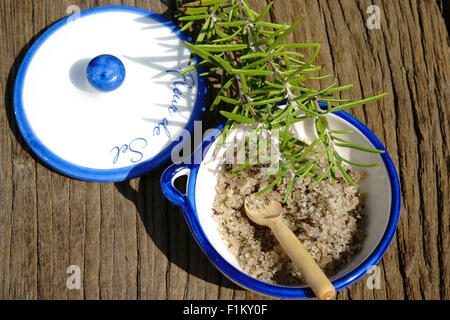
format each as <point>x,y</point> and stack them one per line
<point>314,276</point>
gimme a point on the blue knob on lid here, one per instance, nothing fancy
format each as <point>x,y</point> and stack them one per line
<point>106,73</point>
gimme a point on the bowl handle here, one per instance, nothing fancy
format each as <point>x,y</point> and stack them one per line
<point>167,183</point>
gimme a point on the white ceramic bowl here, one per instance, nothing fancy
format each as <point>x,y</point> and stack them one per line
<point>382,207</point>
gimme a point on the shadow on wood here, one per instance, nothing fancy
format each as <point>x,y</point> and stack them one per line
<point>163,221</point>
<point>166,226</point>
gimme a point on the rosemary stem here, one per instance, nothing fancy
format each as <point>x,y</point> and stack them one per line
<point>255,63</point>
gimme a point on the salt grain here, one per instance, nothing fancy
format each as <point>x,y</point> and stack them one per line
<point>328,220</point>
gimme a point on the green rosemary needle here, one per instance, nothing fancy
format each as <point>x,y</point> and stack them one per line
<point>252,59</point>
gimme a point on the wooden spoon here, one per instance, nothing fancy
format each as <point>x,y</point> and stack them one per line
<point>270,216</point>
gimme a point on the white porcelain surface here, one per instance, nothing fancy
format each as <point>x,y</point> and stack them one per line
<point>377,187</point>
<point>118,129</point>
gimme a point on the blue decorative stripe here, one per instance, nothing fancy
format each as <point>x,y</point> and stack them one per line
<point>89,174</point>
<point>188,205</point>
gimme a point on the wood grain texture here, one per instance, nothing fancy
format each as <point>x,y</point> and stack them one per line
<point>131,243</point>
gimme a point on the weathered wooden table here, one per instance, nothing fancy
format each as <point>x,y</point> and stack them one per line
<point>131,243</point>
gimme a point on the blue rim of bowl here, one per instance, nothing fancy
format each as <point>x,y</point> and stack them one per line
<point>242,279</point>
<point>89,174</point>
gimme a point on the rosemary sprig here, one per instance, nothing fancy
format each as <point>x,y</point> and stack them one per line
<point>250,57</point>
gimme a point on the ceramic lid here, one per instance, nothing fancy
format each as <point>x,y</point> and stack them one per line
<point>99,97</point>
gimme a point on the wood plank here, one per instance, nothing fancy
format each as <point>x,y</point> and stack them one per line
<point>6,186</point>
<point>131,243</point>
